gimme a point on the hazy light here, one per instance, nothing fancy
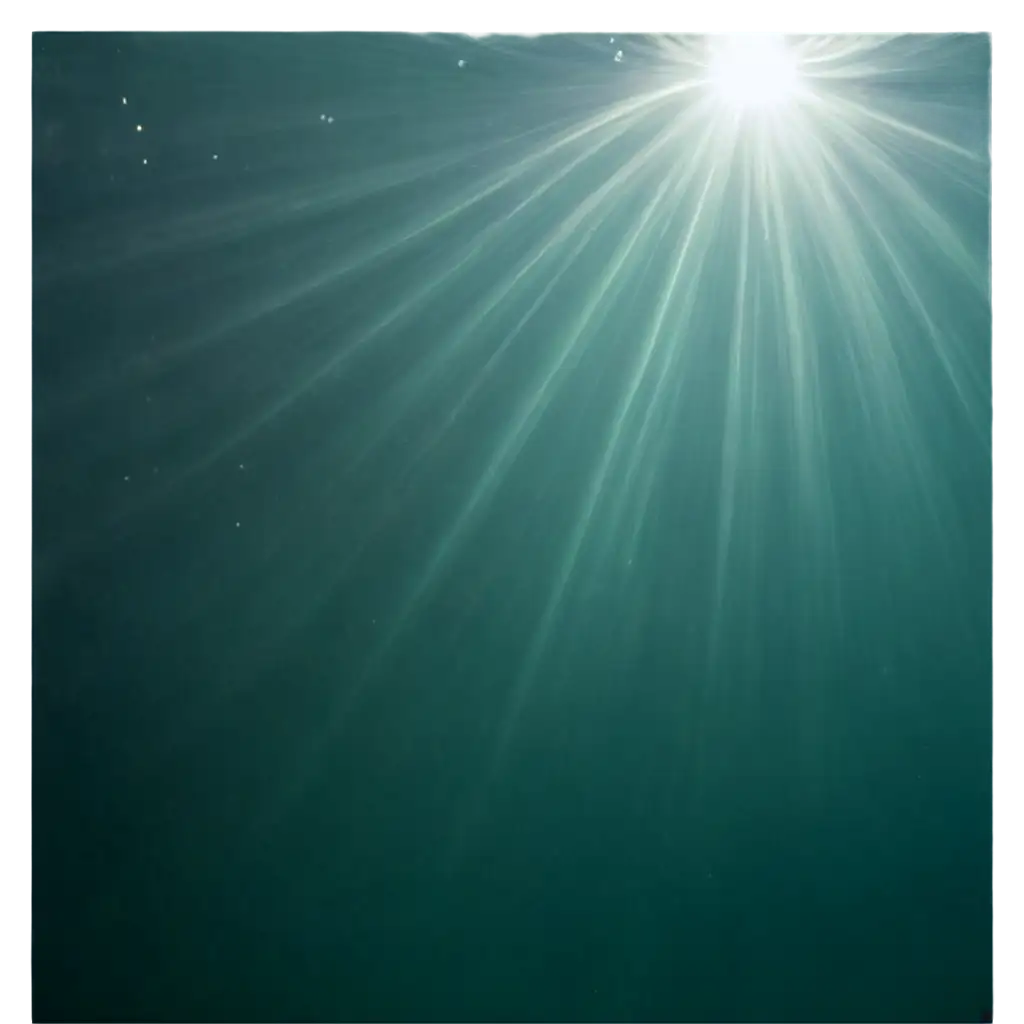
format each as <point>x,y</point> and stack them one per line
<point>753,71</point>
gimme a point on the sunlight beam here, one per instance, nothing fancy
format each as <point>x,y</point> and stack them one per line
<point>753,72</point>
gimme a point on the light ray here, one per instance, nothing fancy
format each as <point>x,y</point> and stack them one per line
<point>768,240</point>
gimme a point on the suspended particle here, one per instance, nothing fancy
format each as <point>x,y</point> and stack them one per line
<point>330,120</point>
<point>323,117</point>
<point>124,101</point>
<point>138,127</point>
<point>612,40</point>
<point>215,157</point>
<point>618,56</point>
<point>462,63</point>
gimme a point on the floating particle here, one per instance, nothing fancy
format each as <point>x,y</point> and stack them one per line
<point>330,120</point>
<point>323,117</point>
<point>618,56</point>
<point>462,63</point>
<point>237,525</point>
<point>124,101</point>
<point>241,465</point>
<point>144,160</point>
<point>138,127</point>
<point>214,156</point>
<point>127,478</point>
<point>612,40</point>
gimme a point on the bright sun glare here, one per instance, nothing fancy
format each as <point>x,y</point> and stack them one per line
<point>753,72</point>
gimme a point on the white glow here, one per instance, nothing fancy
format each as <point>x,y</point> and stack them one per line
<point>753,71</point>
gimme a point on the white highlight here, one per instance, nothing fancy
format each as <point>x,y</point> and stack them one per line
<point>753,71</point>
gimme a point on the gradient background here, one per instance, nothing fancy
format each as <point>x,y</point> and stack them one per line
<point>1012,289</point>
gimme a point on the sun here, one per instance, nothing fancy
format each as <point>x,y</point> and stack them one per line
<point>753,72</point>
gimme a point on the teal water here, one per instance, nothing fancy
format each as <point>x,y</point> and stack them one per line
<point>512,541</point>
